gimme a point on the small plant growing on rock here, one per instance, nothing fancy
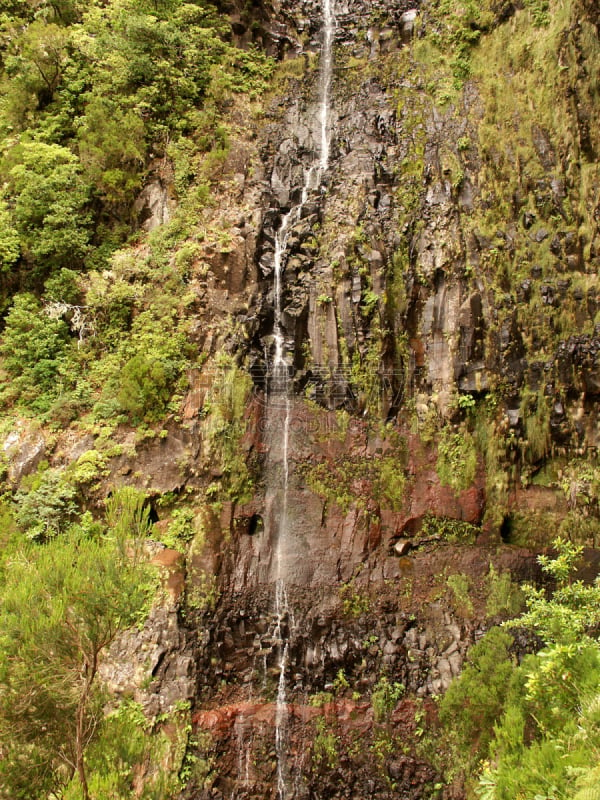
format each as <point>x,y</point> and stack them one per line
<point>341,682</point>
<point>202,591</point>
<point>325,746</point>
<point>181,529</point>
<point>460,586</point>
<point>466,402</point>
<point>385,697</point>
<point>503,595</point>
<point>354,603</point>
<point>448,529</point>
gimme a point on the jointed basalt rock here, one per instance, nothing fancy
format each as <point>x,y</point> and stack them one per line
<point>407,299</point>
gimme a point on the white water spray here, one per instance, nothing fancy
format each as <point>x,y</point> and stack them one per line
<point>325,81</point>
<point>244,751</point>
<point>313,181</point>
<point>281,711</point>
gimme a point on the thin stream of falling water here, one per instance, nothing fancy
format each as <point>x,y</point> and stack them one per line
<point>325,80</point>
<point>281,712</point>
<point>243,736</point>
<point>313,180</point>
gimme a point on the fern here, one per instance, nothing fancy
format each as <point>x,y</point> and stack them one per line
<point>588,782</point>
<point>591,792</point>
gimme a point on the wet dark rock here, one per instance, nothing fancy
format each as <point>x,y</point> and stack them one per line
<point>543,147</point>
<point>540,235</point>
<point>155,665</point>
<point>524,292</point>
<point>572,244</point>
<point>556,246</point>
<point>407,23</point>
<point>529,220</point>
<point>267,263</point>
<point>547,294</point>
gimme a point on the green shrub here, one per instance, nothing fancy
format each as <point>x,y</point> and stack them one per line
<point>127,513</point>
<point>33,350</point>
<point>476,699</point>
<point>125,743</point>
<point>325,746</point>
<point>89,467</point>
<point>504,596</point>
<point>48,508</point>
<point>62,605</point>
<point>460,586</point>
<point>385,697</point>
<point>145,388</point>
<point>537,722</point>
<point>50,204</point>
<point>63,287</point>
<point>10,247</point>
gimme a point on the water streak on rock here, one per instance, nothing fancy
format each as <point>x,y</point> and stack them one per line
<point>281,389</point>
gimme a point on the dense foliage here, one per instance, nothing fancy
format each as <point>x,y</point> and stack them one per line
<point>532,728</point>
<point>100,339</point>
<point>62,604</point>
<point>97,98</point>
<point>92,94</point>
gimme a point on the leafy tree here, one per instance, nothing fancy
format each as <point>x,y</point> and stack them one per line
<point>124,747</point>
<point>44,47</point>
<point>62,606</point>
<point>32,349</point>
<point>66,11</point>
<point>474,702</point>
<point>572,614</point>
<point>88,91</point>
<point>145,387</point>
<point>35,58</point>
<point>9,239</point>
<point>538,721</point>
<point>49,204</point>
<point>63,287</point>
<point>48,508</point>
<point>112,149</point>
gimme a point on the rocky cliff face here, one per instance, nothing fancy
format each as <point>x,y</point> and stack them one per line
<point>439,316</point>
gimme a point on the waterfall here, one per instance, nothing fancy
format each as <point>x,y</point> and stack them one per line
<point>281,711</point>
<point>325,81</point>
<point>313,178</point>
<point>244,747</point>
<point>281,388</point>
